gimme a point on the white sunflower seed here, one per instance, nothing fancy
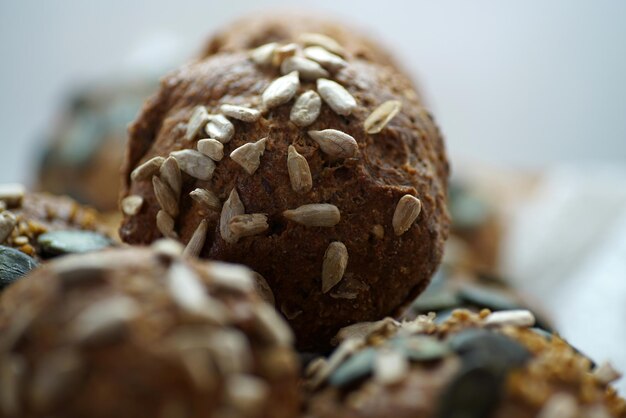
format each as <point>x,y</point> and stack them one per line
<point>194,163</point>
<point>306,109</point>
<point>281,90</point>
<point>335,143</point>
<point>165,196</point>
<point>220,128</point>
<point>241,113</point>
<point>206,198</point>
<point>273,327</point>
<point>165,224</point>
<point>245,393</point>
<point>196,242</point>
<point>167,248</point>
<point>263,288</point>
<point>325,369</point>
<point>390,367</point>
<point>12,194</point>
<point>248,224</point>
<point>263,54</point>
<point>231,208</point>
<point>212,148</point>
<point>407,211</point>
<point>235,277</point>
<point>322,56</point>
<point>299,171</point>
<point>198,119</point>
<point>7,225</point>
<point>336,96</point>
<point>104,319</point>
<point>170,174</point>
<point>283,52</point>
<point>147,170</point>
<point>20,240</point>
<point>325,41</point>
<point>231,351</point>
<point>334,265</point>
<point>186,288</point>
<point>381,116</point>
<point>131,205</point>
<point>314,214</point>
<point>515,317</point>
<point>249,155</point>
<point>606,373</point>
<point>308,69</point>
<point>559,405</point>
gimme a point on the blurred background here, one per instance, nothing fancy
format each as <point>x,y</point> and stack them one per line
<point>531,97</point>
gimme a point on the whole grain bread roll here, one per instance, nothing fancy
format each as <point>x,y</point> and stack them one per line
<point>312,163</point>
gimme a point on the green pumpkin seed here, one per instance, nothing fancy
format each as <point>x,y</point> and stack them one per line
<point>421,347</point>
<point>72,241</point>
<point>13,265</point>
<point>485,297</point>
<point>435,301</point>
<point>357,367</point>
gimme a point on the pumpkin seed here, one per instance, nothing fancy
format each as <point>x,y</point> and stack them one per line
<point>356,367</point>
<point>308,69</point>
<point>485,297</point>
<point>434,301</point>
<point>13,265</point>
<point>421,347</point>
<point>72,241</point>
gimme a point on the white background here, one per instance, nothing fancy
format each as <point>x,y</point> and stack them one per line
<point>526,84</point>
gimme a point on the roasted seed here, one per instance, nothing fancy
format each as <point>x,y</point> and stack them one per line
<point>263,288</point>
<point>606,373</point>
<point>263,54</point>
<point>167,248</point>
<point>12,194</point>
<point>104,319</point>
<point>283,52</point>
<point>518,318</point>
<point>358,366</point>
<point>248,224</point>
<point>186,288</point>
<point>206,198</point>
<point>147,169</point>
<point>335,143</point>
<point>272,325</point>
<point>131,205</point>
<point>407,211</point>
<point>334,266</point>
<point>314,214</point>
<point>233,277</point>
<point>198,119</point>
<point>241,113</point>
<point>299,171</point>
<point>212,148</point>
<point>231,208</point>
<point>560,405</point>
<point>165,224</point>
<point>390,367</point>
<point>249,155</point>
<point>336,96</point>
<point>306,109</point>
<point>196,242</point>
<point>7,225</point>
<point>194,163</point>
<point>170,175</point>
<point>325,58</point>
<point>325,41</point>
<point>381,116</point>
<point>344,351</point>
<point>72,242</point>
<point>281,90</point>
<point>220,128</point>
<point>165,196</point>
<point>308,69</point>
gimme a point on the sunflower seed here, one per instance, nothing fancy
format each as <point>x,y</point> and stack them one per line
<point>206,198</point>
<point>378,231</point>
<point>272,325</point>
<point>306,109</point>
<point>241,113</point>
<point>247,394</point>
<point>335,143</point>
<point>407,211</point>
<point>165,224</point>
<point>249,155</point>
<point>220,128</point>
<point>281,53</point>
<point>170,175</point>
<point>324,57</point>
<point>361,330</point>
<point>167,248</point>
<point>55,379</point>
<point>606,373</point>
<point>560,405</point>
<point>12,194</point>
<point>104,320</point>
<point>194,163</point>
<point>165,196</point>
<point>263,288</point>
<point>196,242</point>
<point>381,116</point>
<point>7,224</point>
<point>20,240</point>
<point>334,266</point>
<point>263,54</point>
<point>131,205</point>
<point>248,225</point>
<point>390,367</point>
<point>212,148</point>
<point>233,277</point>
<point>281,90</point>
<point>299,171</point>
<point>198,119</point>
<point>186,288</point>
<point>336,96</point>
<point>325,41</point>
<point>147,169</point>
<point>308,69</point>
<point>314,214</point>
<point>231,208</point>
<point>518,318</point>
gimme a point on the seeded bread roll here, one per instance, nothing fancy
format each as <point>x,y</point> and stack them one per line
<point>143,333</point>
<point>338,201</point>
<point>470,365</point>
